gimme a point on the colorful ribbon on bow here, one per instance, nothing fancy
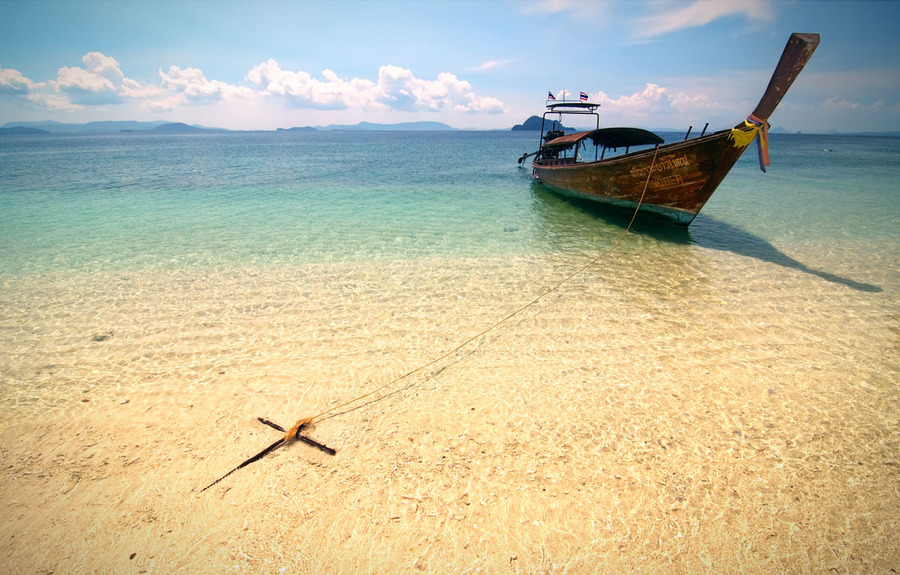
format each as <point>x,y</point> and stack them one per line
<point>758,127</point>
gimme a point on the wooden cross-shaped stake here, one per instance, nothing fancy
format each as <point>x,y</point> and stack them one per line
<point>290,435</point>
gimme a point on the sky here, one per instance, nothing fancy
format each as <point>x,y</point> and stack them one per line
<point>484,64</point>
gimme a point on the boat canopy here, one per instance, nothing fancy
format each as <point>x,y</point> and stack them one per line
<point>607,137</point>
<point>574,105</point>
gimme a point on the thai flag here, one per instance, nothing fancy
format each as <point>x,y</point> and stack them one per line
<point>583,97</point>
<point>550,96</point>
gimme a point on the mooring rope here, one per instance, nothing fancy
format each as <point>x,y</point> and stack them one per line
<point>294,433</point>
<point>336,410</point>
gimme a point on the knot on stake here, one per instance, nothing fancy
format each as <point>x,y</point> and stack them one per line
<point>294,432</point>
<point>290,435</point>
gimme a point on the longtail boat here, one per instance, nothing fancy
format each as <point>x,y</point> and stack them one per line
<point>673,180</point>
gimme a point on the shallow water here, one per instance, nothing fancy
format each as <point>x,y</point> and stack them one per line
<point>133,202</point>
<point>717,398</point>
<point>105,235</point>
<point>87,222</point>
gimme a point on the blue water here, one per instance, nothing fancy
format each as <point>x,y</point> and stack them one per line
<point>132,202</point>
<point>159,292</point>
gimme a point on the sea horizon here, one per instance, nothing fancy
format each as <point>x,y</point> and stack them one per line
<point>71,128</point>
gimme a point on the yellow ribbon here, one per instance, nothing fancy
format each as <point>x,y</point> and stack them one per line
<point>742,138</point>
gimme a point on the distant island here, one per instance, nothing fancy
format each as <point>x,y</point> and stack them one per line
<point>116,127</point>
<point>22,130</point>
<point>107,127</point>
<point>181,128</point>
<point>534,124</point>
<point>295,129</point>
<point>110,127</point>
<point>531,124</point>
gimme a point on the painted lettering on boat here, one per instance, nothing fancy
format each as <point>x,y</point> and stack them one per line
<point>665,181</point>
<point>662,164</point>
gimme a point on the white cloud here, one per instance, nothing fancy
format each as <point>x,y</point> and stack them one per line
<point>676,16</point>
<point>104,66</point>
<point>271,78</point>
<point>839,103</point>
<point>39,94</point>
<point>661,107</point>
<point>396,88</point>
<point>403,91</point>
<point>101,81</point>
<point>52,101</point>
<point>301,90</point>
<point>484,105</point>
<point>135,90</point>
<point>12,81</point>
<point>658,17</point>
<point>83,80</point>
<point>189,85</point>
<point>655,100</point>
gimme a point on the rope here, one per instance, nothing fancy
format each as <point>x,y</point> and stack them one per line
<point>306,423</point>
<point>336,410</point>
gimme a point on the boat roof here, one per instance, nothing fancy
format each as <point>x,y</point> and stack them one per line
<point>608,137</point>
<point>564,104</point>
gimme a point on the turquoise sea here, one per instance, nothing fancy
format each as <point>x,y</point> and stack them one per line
<point>721,398</point>
<point>135,202</point>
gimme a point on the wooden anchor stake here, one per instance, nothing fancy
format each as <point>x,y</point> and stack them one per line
<point>290,435</point>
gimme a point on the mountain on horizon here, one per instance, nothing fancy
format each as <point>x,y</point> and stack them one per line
<point>533,124</point>
<point>115,127</point>
<point>298,129</point>
<point>22,131</point>
<point>103,127</point>
<point>106,127</point>
<point>179,128</point>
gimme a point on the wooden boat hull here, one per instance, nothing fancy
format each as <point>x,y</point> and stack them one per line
<point>674,180</point>
<point>684,176</point>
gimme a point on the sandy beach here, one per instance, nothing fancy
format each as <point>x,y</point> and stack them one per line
<point>739,419</point>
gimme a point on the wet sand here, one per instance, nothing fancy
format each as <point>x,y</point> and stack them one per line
<point>736,416</point>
